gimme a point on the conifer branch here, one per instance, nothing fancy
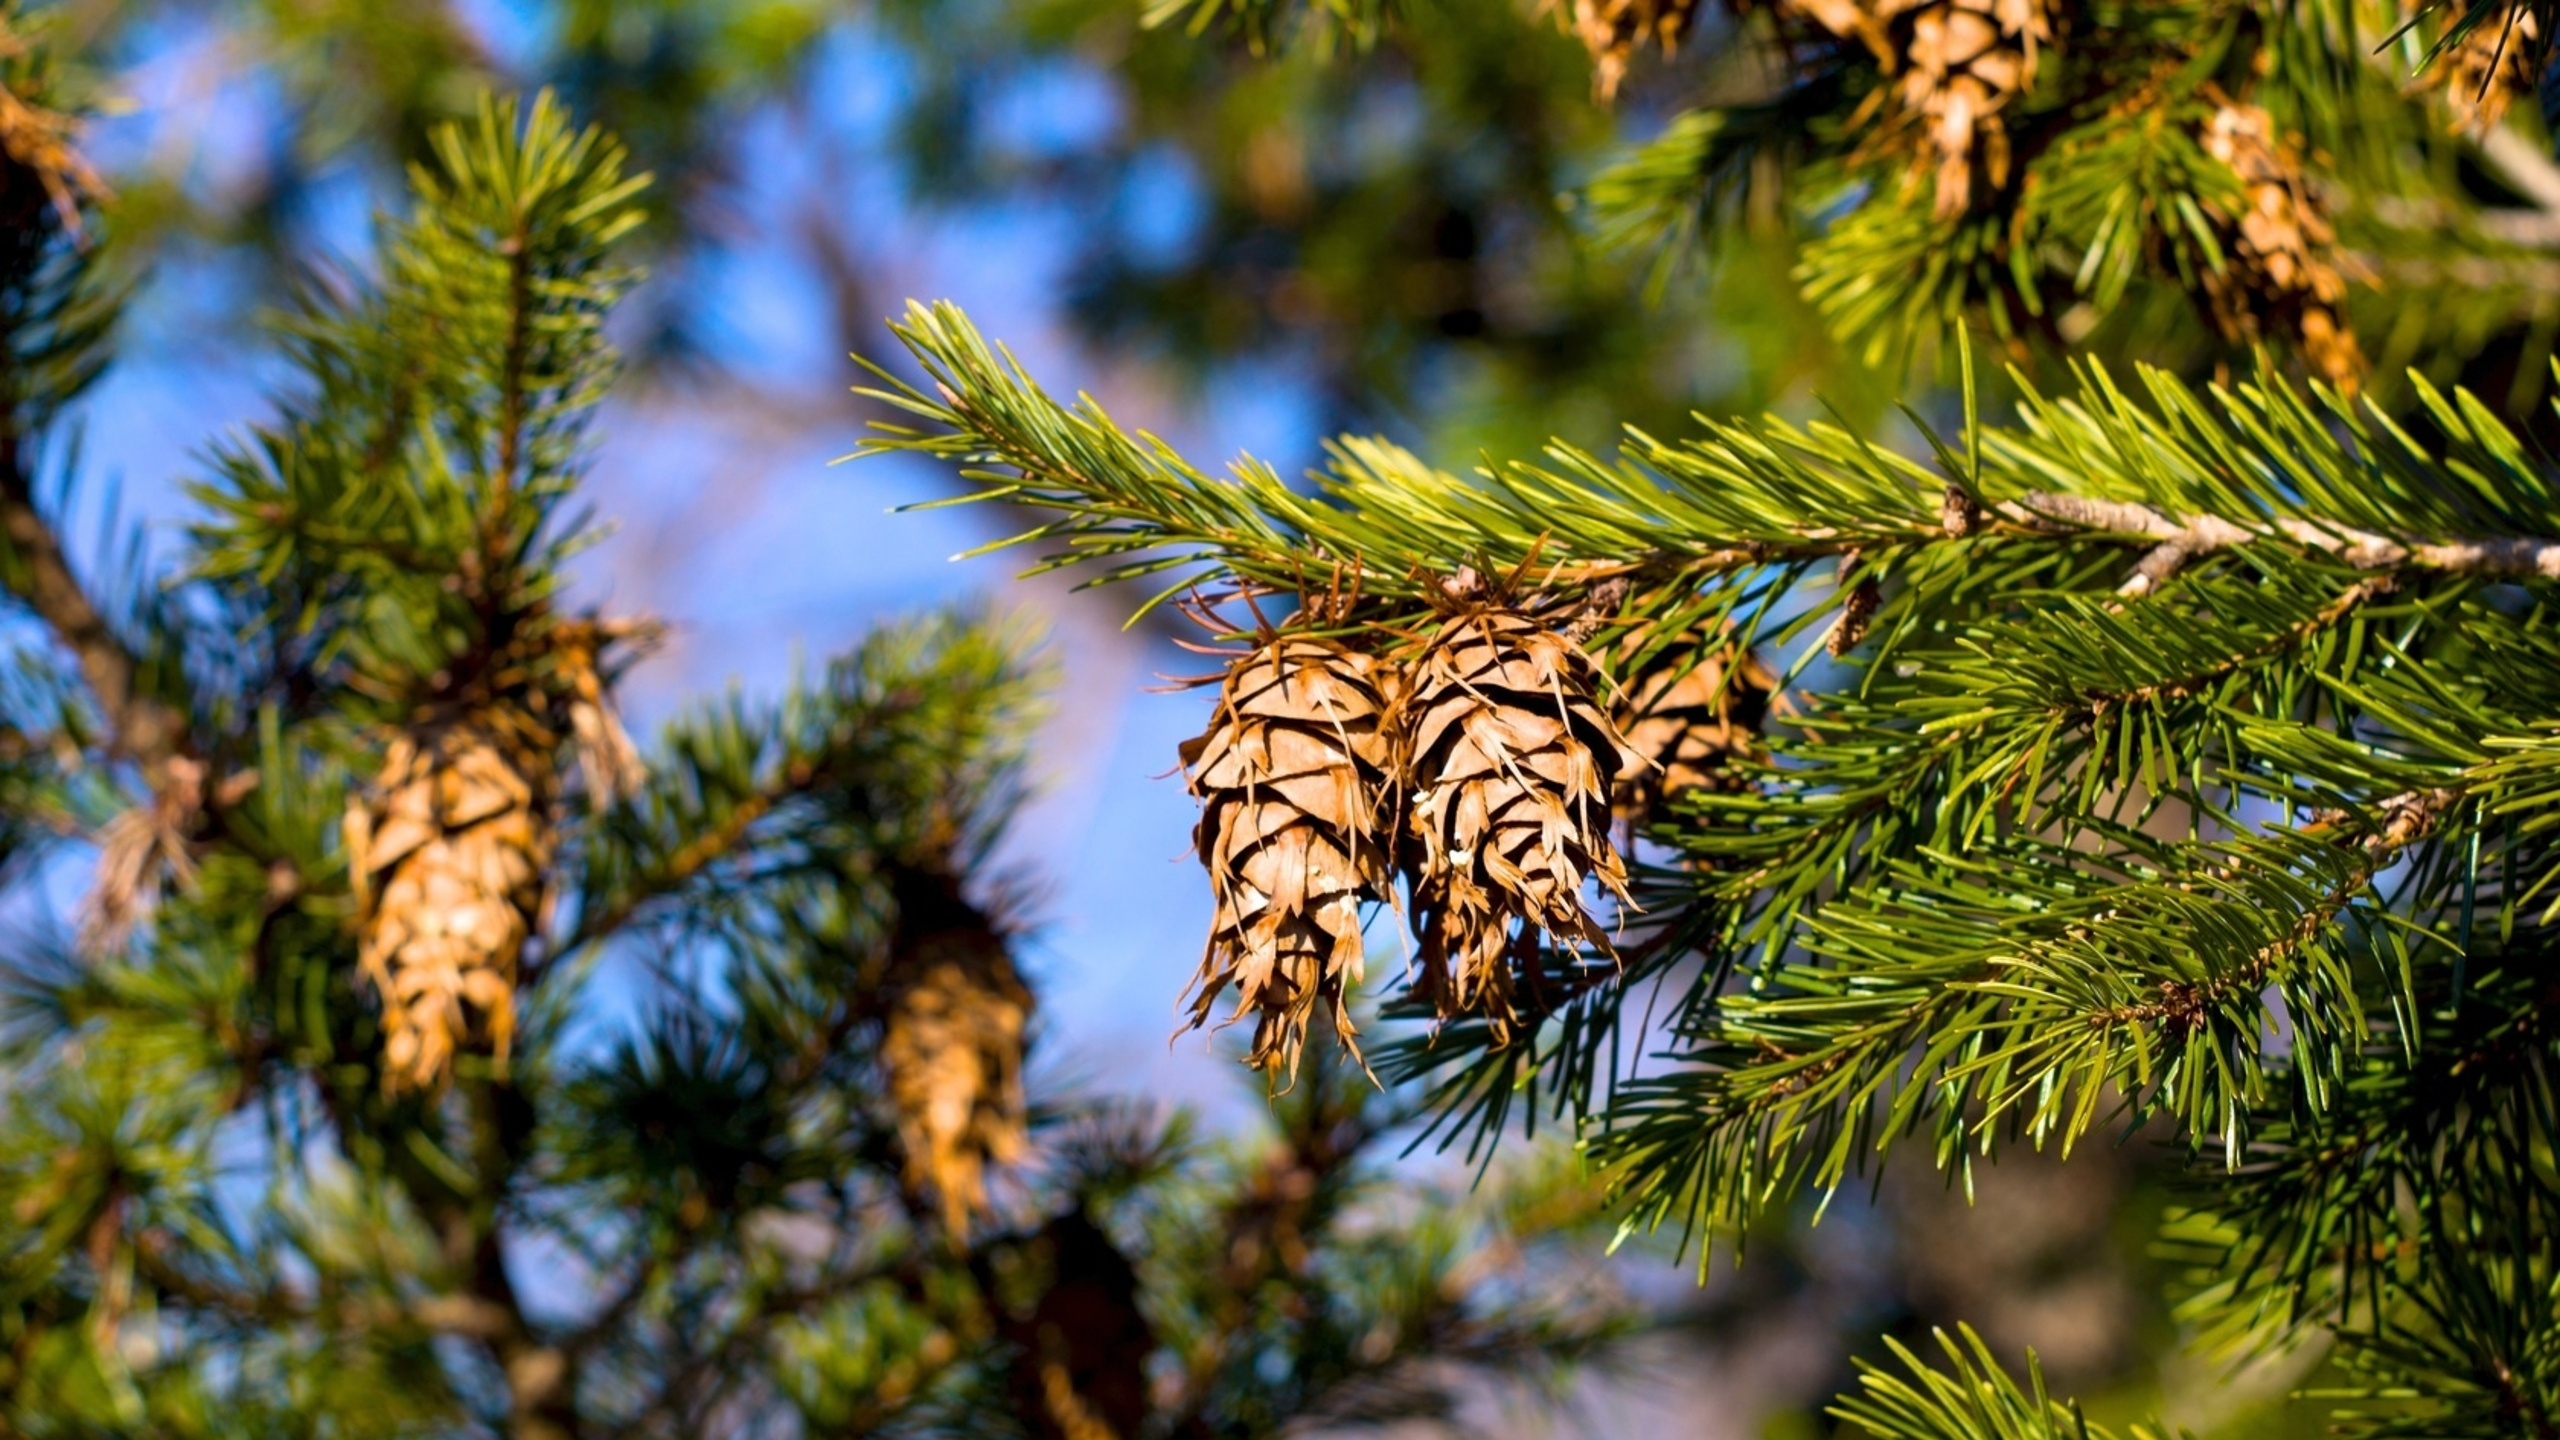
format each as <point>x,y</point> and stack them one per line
<point>679,1390</point>
<point>2292,638</point>
<point>893,724</point>
<point>697,853</point>
<point>46,362</point>
<point>2184,1005</point>
<point>521,317</point>
<point>1742,499</point>
<point>541,1387</point>
<point>2009,1020</point>
<point>140,727</point>
<point>1971,1398</point>
<point>1268,1219</point>
<point>464,1316</point>
<point>2191,536</point>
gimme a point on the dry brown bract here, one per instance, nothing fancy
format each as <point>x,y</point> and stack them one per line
<point>138,846</point>
<point>2494,62</point>
<point>1959,63</point>
<point>2283,271</point>
<point>957,1012</point>
<point>448,865</point>
<point>1512,764</point>
<point>1692,712</point>
<point>1614,30</point>
<point>1293,777</point>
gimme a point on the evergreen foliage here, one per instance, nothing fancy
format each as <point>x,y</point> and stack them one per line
<point>2178,182</point>
<point>2171,755</point>
<point>351,773</point>
<point>1382,228</point>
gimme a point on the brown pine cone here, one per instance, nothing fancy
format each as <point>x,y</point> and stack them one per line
<point>2495,61</point>
<point>1511,762</point>
<point>1959,63</point>
<point>450,853</point>
<point>1294,781</point>
<point>448,863</point>
<point>2284,272</point>
<point>958,1014</point>
<point>1694,710</point>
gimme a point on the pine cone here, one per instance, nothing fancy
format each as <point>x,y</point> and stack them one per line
<point>2494,62</point>
<point>1614,30</point>
<point>450,856</point>
<point>957,1016</point>
<point>1078,1369</point>
<point>1959,63</point>
<point>1512,764</point>
<point>1293,778</point>
<point>2284,271</point>
<point>1691,720</point>
<point>448,864</point>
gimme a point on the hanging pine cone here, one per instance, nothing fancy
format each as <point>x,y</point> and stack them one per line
<point>1078,1363</point>
<point>1614,30</point>
<point>2284,272</point>
<point>958,1013</point>
<point>1293,778</point>
<point>450,854</point>
<point>448,865</point>
<point>1512,763</point>
<point>1958,64</point>
<point>2495,61</point>
<point>1693,712</point>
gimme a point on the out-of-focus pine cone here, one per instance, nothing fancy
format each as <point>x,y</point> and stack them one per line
<point>448,861</point>
<point>1511,763</point>
<point>2284,272</point>
<point>1294,778</point>
<point>1614,30</point>
<point>450,852</point>
<point>1078,1369</point>
<point>1691,713</point>
<point>957,1020</point>
<point>2495,61</point>
<point>1958,64</point>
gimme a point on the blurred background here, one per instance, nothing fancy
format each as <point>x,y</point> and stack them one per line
<point>1242,247</point>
